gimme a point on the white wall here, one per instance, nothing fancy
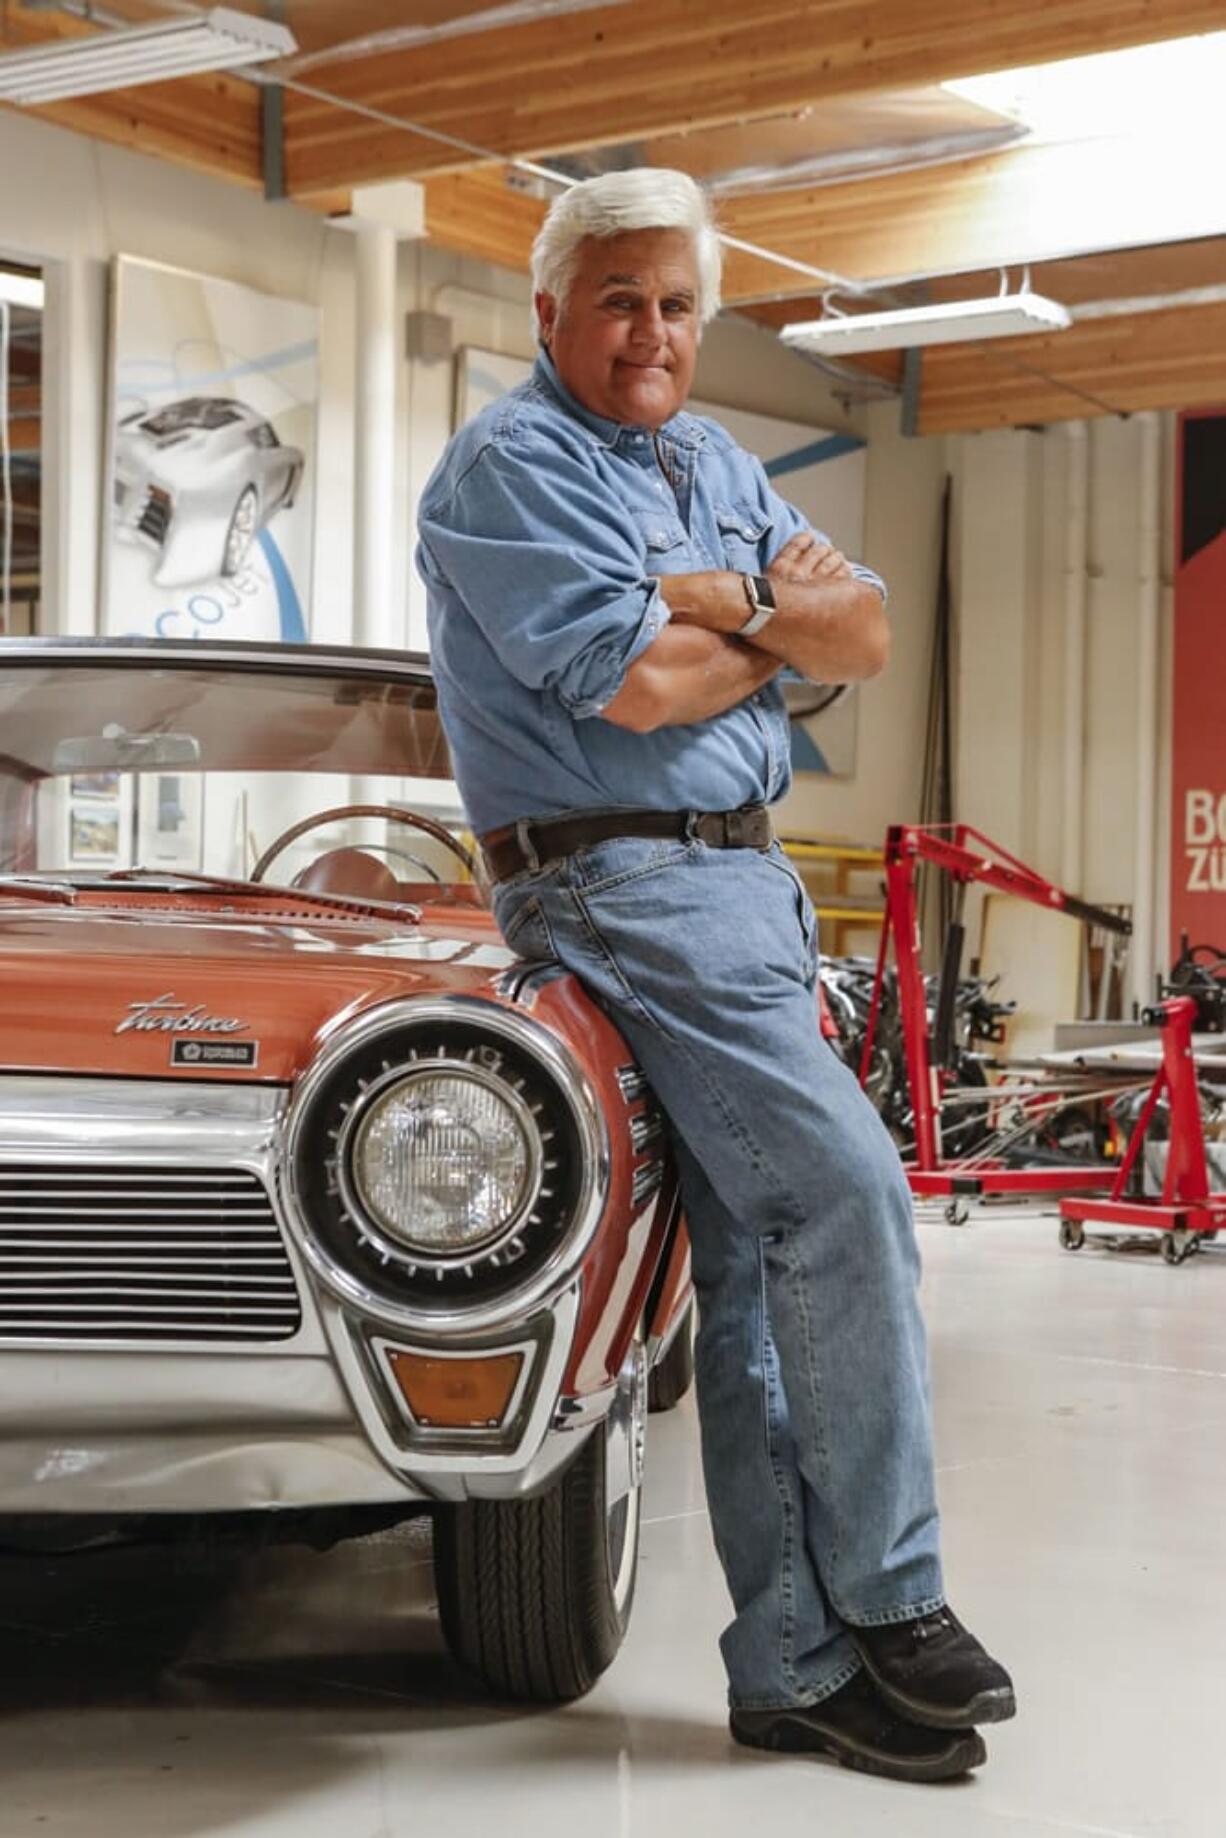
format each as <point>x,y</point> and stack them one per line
<point>1011,490</point>
<point>902,542</point>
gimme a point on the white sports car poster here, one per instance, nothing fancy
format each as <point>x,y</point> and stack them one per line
<point>213,400</point>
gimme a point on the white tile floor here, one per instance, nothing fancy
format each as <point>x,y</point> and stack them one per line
<point>1081,1406</point>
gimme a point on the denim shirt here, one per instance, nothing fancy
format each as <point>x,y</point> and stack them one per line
<point>541,532</point>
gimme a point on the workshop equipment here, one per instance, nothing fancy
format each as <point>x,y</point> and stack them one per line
<point>966,856</point>
<point>1185,1212</point>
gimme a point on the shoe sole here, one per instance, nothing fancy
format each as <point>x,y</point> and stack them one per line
<point>994,1706</point>
<point>786,1736</point>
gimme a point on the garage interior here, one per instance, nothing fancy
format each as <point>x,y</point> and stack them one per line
<point>1046,508</point>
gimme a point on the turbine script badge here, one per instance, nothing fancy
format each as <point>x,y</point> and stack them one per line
<point>163,1015</point>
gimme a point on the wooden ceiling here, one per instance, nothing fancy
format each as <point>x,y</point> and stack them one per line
<point>622,73</point>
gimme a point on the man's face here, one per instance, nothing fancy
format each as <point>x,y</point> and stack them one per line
<point>626,340</point>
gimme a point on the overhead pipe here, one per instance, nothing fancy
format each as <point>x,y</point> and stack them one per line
<point>1149,623</point>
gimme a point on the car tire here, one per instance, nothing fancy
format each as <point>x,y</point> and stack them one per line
<point>673,1376</point>
<point>535,1595</point>
<point>240,531</point>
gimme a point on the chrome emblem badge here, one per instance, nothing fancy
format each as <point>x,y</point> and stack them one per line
<point>163,1015</point>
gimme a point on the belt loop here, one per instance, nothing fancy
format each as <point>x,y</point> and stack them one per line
<point>688,832</point>
<point>524,839</point>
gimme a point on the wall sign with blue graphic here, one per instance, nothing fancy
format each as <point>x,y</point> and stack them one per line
<point>214,390</point>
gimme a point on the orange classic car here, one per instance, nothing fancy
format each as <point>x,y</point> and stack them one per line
<point>316,1202</point>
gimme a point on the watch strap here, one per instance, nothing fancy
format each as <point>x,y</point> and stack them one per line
<point>761,597</point>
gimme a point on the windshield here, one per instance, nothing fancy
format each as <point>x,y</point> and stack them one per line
<point>194,412</point>
<point>194,760</point>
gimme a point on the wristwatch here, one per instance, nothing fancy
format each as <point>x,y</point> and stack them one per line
<point>761,597</point>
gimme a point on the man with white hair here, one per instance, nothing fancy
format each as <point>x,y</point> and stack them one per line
<point>614,590</point>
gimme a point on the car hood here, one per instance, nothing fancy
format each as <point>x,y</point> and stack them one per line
<point>138,988</point>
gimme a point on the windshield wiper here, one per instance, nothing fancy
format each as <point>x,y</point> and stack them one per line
<point>32,887</point>
<point>261,890</point>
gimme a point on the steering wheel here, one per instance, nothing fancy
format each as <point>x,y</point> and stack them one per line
<point>410,819</point>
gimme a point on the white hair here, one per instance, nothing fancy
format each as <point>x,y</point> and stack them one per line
<point>647,198</point>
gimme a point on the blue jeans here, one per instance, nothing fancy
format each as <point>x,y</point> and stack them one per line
<point>811,1358</point>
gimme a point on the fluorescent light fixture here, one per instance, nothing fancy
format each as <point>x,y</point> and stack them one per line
<point>219,40</point>
<point>951,323</point>
<point>1142,91</point>
<point>21,290</point>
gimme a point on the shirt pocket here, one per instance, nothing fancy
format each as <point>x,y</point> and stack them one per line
<point>666,544</point>
<point>744,532</point>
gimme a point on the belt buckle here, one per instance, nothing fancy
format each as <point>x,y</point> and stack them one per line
<point>736,834</point>
<point>526,845</point>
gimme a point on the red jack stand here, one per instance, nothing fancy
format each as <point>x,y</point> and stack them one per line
<point>1186,1212</point>
<point>966,856</point>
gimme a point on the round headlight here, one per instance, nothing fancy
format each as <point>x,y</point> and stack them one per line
<point>445,1161</point>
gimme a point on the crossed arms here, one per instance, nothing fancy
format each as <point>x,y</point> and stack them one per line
<point>829,625</point>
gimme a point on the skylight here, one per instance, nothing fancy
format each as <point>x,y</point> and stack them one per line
<point>1111,94</point>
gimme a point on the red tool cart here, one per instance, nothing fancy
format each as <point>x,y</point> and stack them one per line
<point>1185,1213</point>
<point>966,856</point>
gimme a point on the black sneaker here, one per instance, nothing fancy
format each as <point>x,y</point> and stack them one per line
<point>858,1730</point>
<point>931,1669</point>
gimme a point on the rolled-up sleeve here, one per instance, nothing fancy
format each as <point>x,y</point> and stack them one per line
<point>550,570</point>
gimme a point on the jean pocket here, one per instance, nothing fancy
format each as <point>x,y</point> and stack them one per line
<point>805,915</point>
<point>627,858</point>
<point>526,930</point>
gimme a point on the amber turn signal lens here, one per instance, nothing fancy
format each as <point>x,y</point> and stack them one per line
<point>457,1394</point>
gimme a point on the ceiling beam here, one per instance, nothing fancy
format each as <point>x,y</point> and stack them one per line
<point>209,123</point>
<point>1029,203</point>
<point>477,213</point>
<point>1109,274</point>
<point>1152,361</point>
<point>651,66</point>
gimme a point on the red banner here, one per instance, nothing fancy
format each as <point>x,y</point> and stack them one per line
<point>1198,763</point>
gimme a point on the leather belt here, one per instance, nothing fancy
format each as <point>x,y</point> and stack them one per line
<point>530,844</point>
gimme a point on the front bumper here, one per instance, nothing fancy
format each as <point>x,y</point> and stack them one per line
<point>100,1421</point>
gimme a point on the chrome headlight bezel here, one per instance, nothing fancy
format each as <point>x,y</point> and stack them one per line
<point>524,1267</point>
<point>400,1247</point>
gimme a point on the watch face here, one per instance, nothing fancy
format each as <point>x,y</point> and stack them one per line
<point>764,593</point>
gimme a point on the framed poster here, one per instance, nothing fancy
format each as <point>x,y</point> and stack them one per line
<point>212,458</point>
<point>481,377</point>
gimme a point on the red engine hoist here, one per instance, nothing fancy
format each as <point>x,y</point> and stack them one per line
<point>1186,1212</point>
<point>949,847</point>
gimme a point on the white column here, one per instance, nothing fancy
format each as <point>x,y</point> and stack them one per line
<point>75,461</point>
<point>1149,618</point>
<point>376,354</point>
<point>1076,528</point>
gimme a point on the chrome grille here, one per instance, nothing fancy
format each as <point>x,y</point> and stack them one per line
<point>648,1179</point>
<point>141,1253</point>
<point>646,1128</point>
<point>633,1082</point>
